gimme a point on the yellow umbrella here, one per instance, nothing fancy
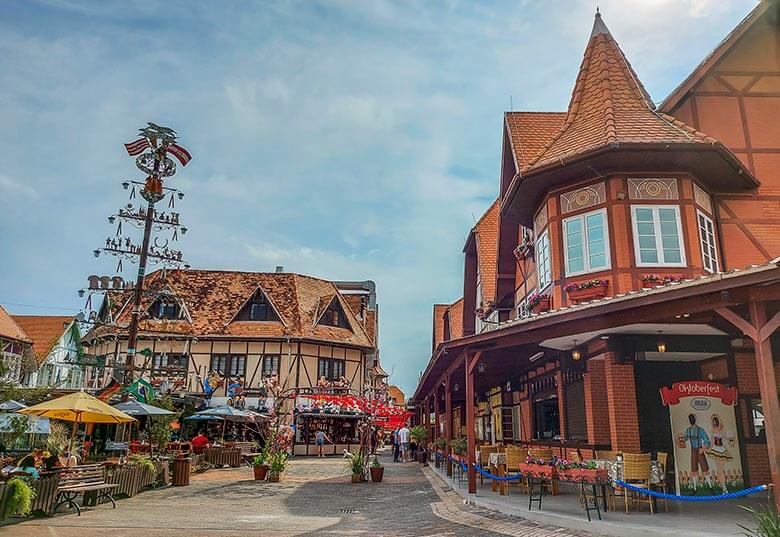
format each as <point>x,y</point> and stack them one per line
<point>78,407</point>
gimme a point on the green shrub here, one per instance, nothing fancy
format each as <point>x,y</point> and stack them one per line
<point>20,497</point>
<point>419,433</point>
<point>355,462</point>
<point>459,445</point>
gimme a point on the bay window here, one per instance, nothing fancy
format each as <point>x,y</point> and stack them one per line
<point>658,235</point>
<point>586,243</point>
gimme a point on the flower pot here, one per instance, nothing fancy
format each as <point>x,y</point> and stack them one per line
<point>540,471</point>
<point>357,478</point>
<point>584,475</point>
<point>274,477</point>
<point>377,473</point>
<point>542,305</point>
<point>261,472</point>
<point>589,293</point>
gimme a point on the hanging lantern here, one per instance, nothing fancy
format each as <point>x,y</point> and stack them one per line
<point>576,354</point>
<point>661,343</point>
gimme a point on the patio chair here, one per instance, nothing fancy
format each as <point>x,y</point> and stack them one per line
<point>515,456</point>
<point>605,455</point>
<point>636,472</point>
<point>484,459</point>
<point>663,457</point>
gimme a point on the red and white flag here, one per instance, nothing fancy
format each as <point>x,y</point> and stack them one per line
<point>137,147</point>
<point>180,153</point>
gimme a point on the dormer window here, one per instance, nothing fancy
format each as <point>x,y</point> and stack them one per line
<point>258,308</point>
<point>165,308</point>
<point>334,315</point>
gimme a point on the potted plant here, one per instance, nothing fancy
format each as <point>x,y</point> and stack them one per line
<point>539,468</point>
<point>260,467</point>
<point>580,472</point>
<point>277,464</point>
<point>355,463</point>
<point>653,280</point>
<point>459,446</point>
<point>19,497</point>
<point>377,471</point>
<point>441,443</point>
<point>419,434</point>
<point>538,302</point>
<point>589,290</point>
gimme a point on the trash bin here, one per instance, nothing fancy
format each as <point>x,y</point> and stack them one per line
<point>181,471</point>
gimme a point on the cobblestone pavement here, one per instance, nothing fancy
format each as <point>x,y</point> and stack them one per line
<point>315,498</point>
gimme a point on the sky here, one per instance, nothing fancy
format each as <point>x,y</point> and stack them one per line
<point>348,140</point>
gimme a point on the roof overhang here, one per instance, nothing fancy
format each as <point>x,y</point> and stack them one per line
<point>708,292</point>
<point>712,164</point>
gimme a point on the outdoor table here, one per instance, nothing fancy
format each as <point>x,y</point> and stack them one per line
<point>615,470</point>
<point>497,464</point>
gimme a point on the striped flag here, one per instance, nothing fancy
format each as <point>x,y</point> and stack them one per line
<point>180,153</point>
<point>137,147</point>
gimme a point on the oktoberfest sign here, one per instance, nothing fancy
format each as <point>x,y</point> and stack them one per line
<point>706,448</point>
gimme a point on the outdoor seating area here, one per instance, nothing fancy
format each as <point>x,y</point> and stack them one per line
<point>566,507</point>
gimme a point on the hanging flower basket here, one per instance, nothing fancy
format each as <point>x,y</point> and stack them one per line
<point>583,475</point>
<point>590,290</point>
<point>539,471</point>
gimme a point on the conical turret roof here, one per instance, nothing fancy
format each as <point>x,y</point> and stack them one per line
<point>610,106</point>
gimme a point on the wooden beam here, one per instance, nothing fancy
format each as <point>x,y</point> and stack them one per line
<point>448,422</point>
<point>470,429</point>
<point>747,328</point>
<point>769,327</point>
<point>769,399</point>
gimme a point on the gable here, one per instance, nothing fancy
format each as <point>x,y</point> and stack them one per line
<point>334,315</point>
<point>258,307</point>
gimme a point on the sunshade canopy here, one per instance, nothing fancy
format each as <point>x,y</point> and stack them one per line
<point>226,412</point>
<point>34,425</point>
<point>134,408</point>
<point>11,406</point>
<point>80,407</point>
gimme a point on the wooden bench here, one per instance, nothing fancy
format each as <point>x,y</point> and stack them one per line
<point>247,450</point>
<point>79,480</point>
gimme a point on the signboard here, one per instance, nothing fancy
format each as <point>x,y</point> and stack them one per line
<point>704,430</point>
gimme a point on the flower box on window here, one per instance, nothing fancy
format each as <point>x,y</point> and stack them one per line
<point>590,290</point>
<point>538,303</point>
<point>650,281</point>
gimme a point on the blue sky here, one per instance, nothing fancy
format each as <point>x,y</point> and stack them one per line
<point>345,139</point>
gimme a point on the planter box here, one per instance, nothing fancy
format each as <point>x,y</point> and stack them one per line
<point>274,477</point>
<point>542,305</point>
<point>538,470</point>
<point>357,478</point>
<point>590,293</point>
<point>584,475</point>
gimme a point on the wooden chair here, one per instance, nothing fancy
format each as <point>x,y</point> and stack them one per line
<point>605,455</point>
<point>662,457</point>
<point>515,456</point>
<point>636,472</point>
<point>484,459</point>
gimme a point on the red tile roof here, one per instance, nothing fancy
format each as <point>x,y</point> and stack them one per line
<point>10,329</point>
<point>609,107</point>
<point>486,232</point>
<point>456,319</point>
<point>396,393</point>
<point>530,132</point>
<point>44,331</point>
<point>438,323</point>
<point>212,299</point>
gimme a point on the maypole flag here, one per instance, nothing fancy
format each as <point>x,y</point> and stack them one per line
<point>137,147</point>
<point>180,153</point>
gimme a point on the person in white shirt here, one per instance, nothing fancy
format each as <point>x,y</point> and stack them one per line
<point>403,438</point>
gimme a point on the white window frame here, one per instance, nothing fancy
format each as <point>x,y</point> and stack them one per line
<point>543,270</point>
<point>657,233</point>
<point>704,244</point>
<point>586,252</point>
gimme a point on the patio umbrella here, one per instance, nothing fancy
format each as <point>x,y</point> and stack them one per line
<point>34,426</point>
<point>11,406</point>
<point>78,407</point>
<point>227,413</point>
<point>134,408</point>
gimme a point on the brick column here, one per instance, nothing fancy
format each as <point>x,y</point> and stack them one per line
<point>526,420</point>
<point>596,406</point>
<point>621,404</point>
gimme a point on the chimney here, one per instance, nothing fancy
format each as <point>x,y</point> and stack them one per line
<point>279,269</point>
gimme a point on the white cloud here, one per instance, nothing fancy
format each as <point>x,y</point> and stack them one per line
<point>12,189</point>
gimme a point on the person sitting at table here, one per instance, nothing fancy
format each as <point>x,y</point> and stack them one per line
<point>27,464</point>
<point>200,442</point>
<point>51,460</point>
<point>68,460</point>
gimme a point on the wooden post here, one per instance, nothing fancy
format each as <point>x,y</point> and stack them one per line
<point>436,427</point>
<point>470,432</point>
<point>768,387</point>
<point>448,421</point>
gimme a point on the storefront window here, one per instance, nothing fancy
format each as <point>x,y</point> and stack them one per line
<point>331,369</point>
<point>547,423</point>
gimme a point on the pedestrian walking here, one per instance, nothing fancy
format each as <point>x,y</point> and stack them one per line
<point>320,438</point>
<point>403,438</point>
<point>396,444</point>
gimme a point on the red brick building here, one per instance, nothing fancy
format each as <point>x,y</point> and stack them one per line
<point>631,247</point>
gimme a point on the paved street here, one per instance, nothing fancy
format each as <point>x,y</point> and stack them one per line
<point>316,498</point>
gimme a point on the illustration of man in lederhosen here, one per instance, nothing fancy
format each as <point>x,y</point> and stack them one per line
<point>699,442</point>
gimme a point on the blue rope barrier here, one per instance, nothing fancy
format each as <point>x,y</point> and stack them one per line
<point>674,497</point>
<point>487,474</point>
